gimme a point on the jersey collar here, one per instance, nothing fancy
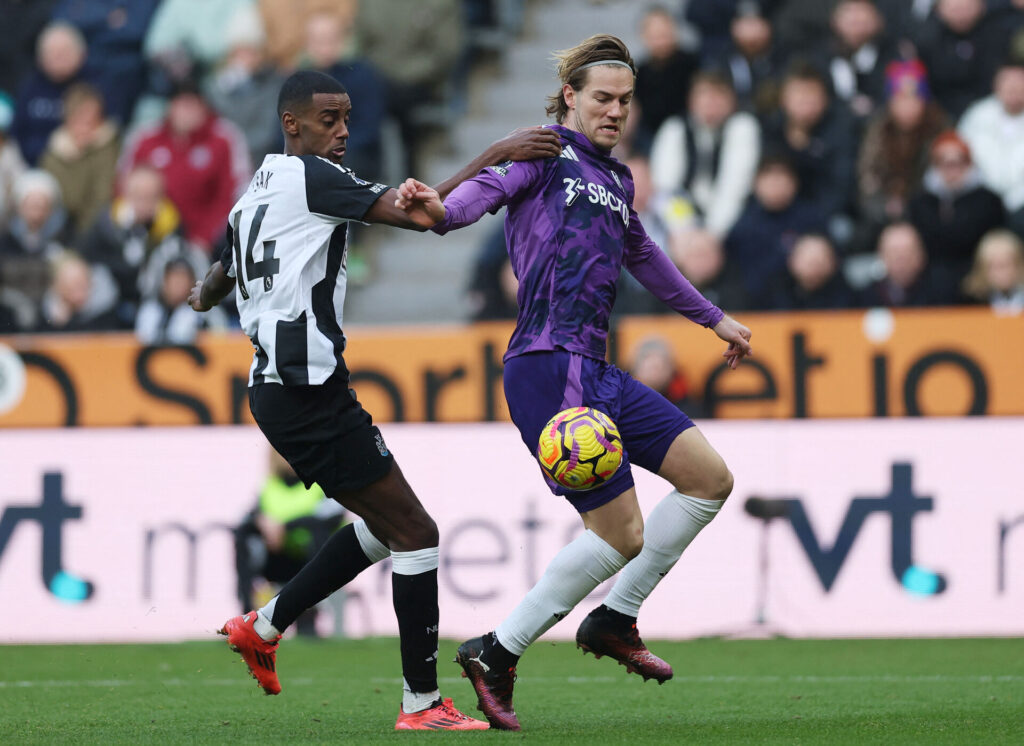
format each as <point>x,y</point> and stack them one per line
<point>581,141</point>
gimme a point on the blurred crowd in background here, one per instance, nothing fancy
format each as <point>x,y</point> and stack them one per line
<point>787,154</point>
<point>128,128</point>
<point>825,154</point>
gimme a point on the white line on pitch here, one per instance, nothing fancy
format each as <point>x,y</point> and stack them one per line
<point>309,681</point>
<point>868,679</point>
<point>105,683</point>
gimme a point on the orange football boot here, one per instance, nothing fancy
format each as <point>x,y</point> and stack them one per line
<point>259,655</point>
<point>442,716</point>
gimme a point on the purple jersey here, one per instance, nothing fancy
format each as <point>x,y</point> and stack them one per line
<point>570,228</point>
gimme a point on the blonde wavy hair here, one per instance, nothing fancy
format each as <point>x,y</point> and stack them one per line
<point>571,61</point>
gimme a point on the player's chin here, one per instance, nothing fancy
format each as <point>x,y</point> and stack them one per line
<point>607,138</point>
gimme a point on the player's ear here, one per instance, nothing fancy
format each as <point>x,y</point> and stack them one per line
<point>290,124</point>
<point>569,94</point>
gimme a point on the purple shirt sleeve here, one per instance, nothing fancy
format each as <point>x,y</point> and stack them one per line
<point>493,187</point>
<point>656,272</point>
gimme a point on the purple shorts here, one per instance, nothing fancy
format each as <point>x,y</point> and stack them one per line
<point>539,385</point>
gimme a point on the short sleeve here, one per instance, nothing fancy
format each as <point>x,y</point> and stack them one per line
<point>336,191</point>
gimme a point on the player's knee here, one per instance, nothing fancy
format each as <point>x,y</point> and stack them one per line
<point>431,536</point>
<point>632,545</point>
<point>715,484</point>
<point>419,531</point>
<point>630,540</point>
<point>721,486</point>
<point>718,484</point>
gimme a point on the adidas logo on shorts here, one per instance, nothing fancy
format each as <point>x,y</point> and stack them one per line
<point>380,444</point>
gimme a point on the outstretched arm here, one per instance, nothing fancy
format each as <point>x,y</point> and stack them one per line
<point>523,144</point>
<point>416,206</point>
<point>413,205</point>
<point>211,290</point>
<point>487,191</point>
<point>656,272</point>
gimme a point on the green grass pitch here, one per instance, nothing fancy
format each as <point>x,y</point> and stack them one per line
<point>347,691</point>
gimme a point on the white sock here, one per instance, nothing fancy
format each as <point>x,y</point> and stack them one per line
<point>668,530</point>
<point>581,566</point>
<point>417,701</point>
<point>374,550</point>
<point>415,562</point>
<point>262,625</point>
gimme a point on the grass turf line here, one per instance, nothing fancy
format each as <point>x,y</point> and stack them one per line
<point>764,691</point>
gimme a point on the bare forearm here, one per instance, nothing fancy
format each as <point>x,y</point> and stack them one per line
<point>385,212</point>
<point>489,157</point>
<point>215,286</point>
<point>524,144</point>
<point>400,221</point>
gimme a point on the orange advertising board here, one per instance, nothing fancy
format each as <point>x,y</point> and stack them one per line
<point>846,364</point>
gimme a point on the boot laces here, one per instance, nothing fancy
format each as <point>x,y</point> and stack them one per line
<point>449,709</point>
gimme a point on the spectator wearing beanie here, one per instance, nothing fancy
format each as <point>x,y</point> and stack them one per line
<point>894,151</point>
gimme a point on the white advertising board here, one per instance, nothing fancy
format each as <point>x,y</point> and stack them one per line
<point>893,528</point>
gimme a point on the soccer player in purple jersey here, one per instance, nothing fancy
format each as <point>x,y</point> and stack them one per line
<point>570,227</point>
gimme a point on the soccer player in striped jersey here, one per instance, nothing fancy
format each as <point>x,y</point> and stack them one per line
<point>286,256</point>
<point>570,227</point>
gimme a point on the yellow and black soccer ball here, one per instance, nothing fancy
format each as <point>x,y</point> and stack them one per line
<point>580,448</point>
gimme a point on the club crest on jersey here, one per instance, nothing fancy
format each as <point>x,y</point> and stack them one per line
<point>597,194</point>
<point>501,169</point>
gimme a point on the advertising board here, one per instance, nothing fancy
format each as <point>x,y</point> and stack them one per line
<point>892,528</point>
<point>878,363</point>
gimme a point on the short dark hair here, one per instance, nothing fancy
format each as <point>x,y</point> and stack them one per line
<point>714,76</point>
<point>179,262</point>
<point>805,70</point>
<point>773,159</point>
<point>300,87</point>
<point>1015,61</point>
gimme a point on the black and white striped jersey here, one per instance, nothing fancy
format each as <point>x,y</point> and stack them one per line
<point>286,249</point>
